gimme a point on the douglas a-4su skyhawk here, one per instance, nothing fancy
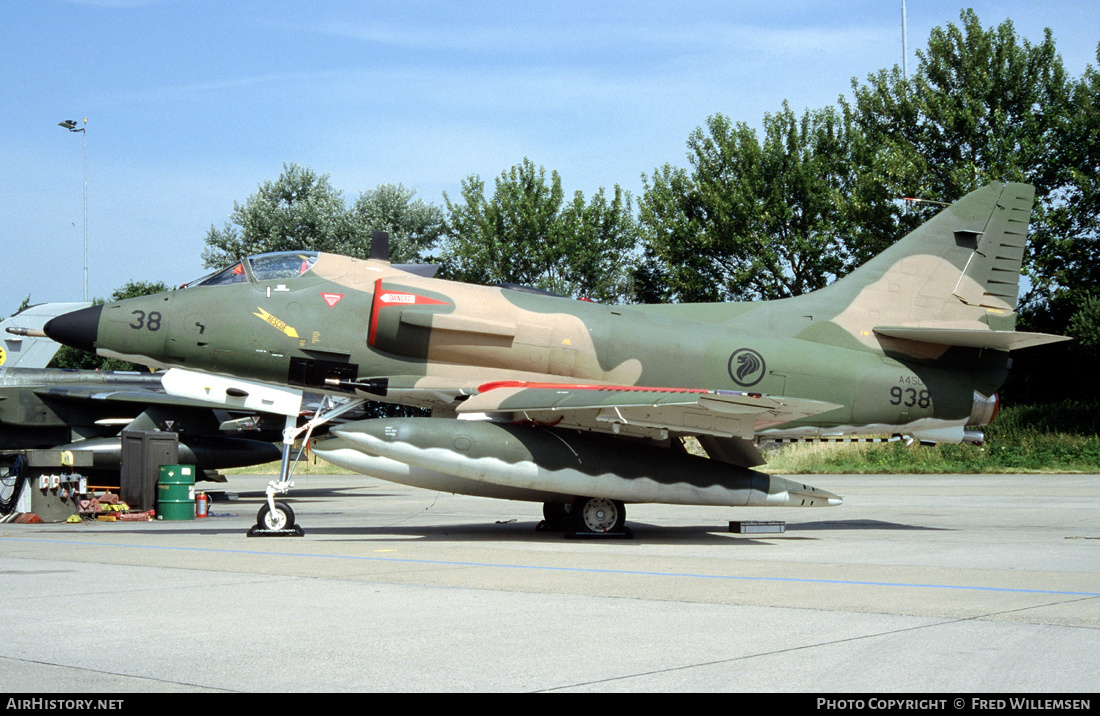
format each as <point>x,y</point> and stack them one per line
<point>584,407</point>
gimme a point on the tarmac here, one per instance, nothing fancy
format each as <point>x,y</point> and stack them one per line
<point>949,585</point>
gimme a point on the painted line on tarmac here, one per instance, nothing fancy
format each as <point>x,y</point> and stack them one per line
<point>579,570</point>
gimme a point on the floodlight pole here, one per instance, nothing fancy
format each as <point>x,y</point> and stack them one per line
<point>904,43</point>
<point>71,126</point>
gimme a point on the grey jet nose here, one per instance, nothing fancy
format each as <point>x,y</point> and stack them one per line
<point>78,329</point>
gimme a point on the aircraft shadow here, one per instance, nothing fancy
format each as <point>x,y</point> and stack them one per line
<point>510,530</point>
<point>297,492</point>
<point>525,531</point>
<point>857,525</point>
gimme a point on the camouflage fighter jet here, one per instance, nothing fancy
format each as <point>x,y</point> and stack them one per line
<point>584,406</point>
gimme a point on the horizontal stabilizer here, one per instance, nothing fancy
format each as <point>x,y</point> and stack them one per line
<point>970,338</point>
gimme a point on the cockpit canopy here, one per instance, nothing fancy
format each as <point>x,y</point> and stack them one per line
<point>261,267</point>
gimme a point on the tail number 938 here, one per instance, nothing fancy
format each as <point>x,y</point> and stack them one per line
<point>910,397</point>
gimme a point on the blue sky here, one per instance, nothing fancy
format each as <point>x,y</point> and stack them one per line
<point>191,104</point>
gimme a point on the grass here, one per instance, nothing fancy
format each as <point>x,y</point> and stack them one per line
<point>1056,438</point>
<point>311,465</point>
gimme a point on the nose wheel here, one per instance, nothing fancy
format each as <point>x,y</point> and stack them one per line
<point>281,518</point>
<point>275,518</point>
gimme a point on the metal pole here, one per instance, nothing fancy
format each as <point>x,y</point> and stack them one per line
<point>71,126</point>
<point>84,129</point>
<point>904,43</point>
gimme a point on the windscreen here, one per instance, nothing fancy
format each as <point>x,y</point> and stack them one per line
<point>263,267</point>
<point>287,264</point>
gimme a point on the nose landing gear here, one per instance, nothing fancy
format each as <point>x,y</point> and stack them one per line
<point>275,519</point>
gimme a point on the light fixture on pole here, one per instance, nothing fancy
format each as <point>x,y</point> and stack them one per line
<point>71,125</point>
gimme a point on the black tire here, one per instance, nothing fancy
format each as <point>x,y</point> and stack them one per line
<point>557,516</point>
<point>599,515</point>
<point>281,519</point>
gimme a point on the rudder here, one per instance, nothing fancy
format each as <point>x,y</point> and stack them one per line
<point>991,277</point>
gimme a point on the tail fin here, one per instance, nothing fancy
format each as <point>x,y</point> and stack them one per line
<point>22,342</point>
<point>954,281</point>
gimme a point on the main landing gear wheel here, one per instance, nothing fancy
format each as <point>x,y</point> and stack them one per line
<point>279,521</point>
<point>599,517</point>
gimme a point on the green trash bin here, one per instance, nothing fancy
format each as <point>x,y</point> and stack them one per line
<point>176,492</point>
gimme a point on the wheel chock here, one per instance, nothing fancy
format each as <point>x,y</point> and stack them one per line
<point>258,531</point>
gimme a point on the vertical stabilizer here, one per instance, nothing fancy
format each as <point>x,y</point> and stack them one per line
<point>22,342</point>
<point>958,266</point>
<point>960,269</point>
<point>953,281</point>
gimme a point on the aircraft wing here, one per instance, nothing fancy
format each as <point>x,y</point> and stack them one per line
<point>175,389</point>
<point>641,411</point>
<point>105,393</point>
<point>86,393</point>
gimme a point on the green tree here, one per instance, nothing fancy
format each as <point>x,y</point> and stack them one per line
<point>133,289</point>
<point>595,248</point>
<point>413,225</point>
<point>1064,264</point>
<point>984,105</point>
<point>1084,326</point>
<point>819,195</point>
<point>301,210</point>
<point>754,219</point>
<point>526,233</point>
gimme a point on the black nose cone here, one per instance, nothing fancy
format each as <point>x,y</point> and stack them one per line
<point>78,329</point>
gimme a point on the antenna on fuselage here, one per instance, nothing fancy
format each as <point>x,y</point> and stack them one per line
<point>380,246</point>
